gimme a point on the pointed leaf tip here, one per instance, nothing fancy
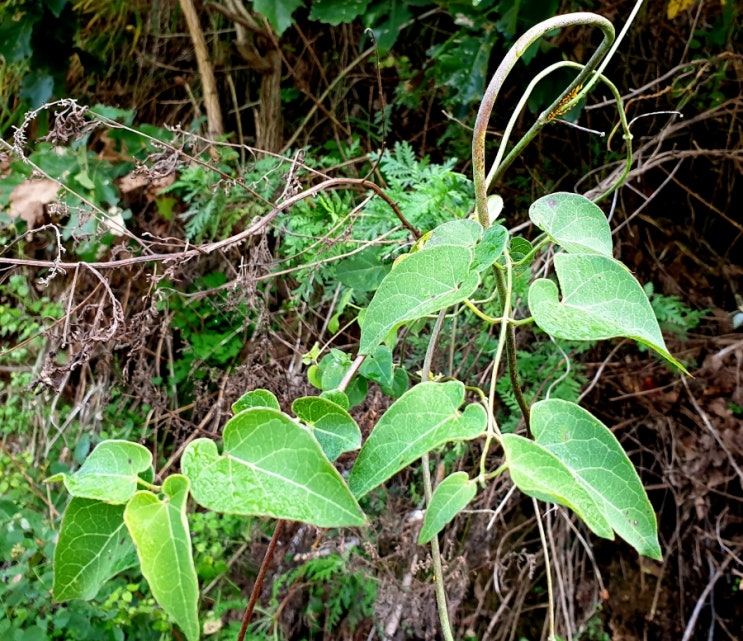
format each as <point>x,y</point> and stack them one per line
<point>423,418</point>
<point>593,454</point>
<point>449,498</point>
<point>160,532</point>
<point>600,299</point>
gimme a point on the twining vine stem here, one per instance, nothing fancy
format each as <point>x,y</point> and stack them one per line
<point>258,585</point>
<point>496,83</point>
<point>438,569</point>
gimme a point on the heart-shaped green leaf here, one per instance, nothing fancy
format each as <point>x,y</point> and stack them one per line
<point>160,532</point>
<point>271,466</point>
<point>573,222</point>
<point>363,271</point>
<point>426,282</point>
<point>449,498</point>
<point>109,473</point>
<point>490,248</point>
<point>332,425</point>
<point>423,418</point>
<point>589,449</point>
<point>600,299</point>
<point>94,545</point>
<point>400,383</point>
<point>465,233</point>
<point>537,472</point>
<point>255,398</point>
<point>378,367</point>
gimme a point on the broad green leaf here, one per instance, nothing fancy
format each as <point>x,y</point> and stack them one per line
<point>519,248</point>
<point>400,383</point>
<point>337,397</point>
<point>449,498</point>
<point>423,418</point>
<point>600,299</point>
<point>15,38</point>
<point>426,282</point>
<point>271,466</point>
<point>278,12</point>
<point>363,271</point>
<point>390,19</point>
<point>465,233</point>
<point>465,82</point>
<point>255,398</point>
<point>37,87</point>
<point>356,391</point>
<point>333,368</point>
<point>332,425</point>
<point>490,248</point>
<point>94,545</point>
<point>591,451</point>
<point>538,473</point>
<point>378,367</point>
<point>110,472</point>
<point>160,532</point>
<point>573,222</point>
<point>335,12</point>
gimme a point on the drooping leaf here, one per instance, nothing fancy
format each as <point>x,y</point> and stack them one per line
<point>426,282</point>
<point>449,498</point>
<point>423,418</point>
<point>94,545</point>
<point>400,383</point>
<point>378,367</point>
<point>278,12</point>
<point>335,12</point>
<point>588,448</point>
<point>271,466</point>
<point>600,299</point>
<point>332,425</point>
<point>363,271</point>
<point>255,398</point>
<point>109,473</point>
<point>538,473</point>
<point>573,222</point>
<point>160,532</point>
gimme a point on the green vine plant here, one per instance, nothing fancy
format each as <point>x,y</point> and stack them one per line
<point>280,465</point>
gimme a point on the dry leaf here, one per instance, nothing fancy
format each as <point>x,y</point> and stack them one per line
<point>28,199</point>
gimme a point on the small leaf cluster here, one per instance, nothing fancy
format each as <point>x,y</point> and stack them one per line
<point>27,542</point>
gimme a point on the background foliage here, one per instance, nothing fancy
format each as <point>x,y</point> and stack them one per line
<point>198,335</point>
